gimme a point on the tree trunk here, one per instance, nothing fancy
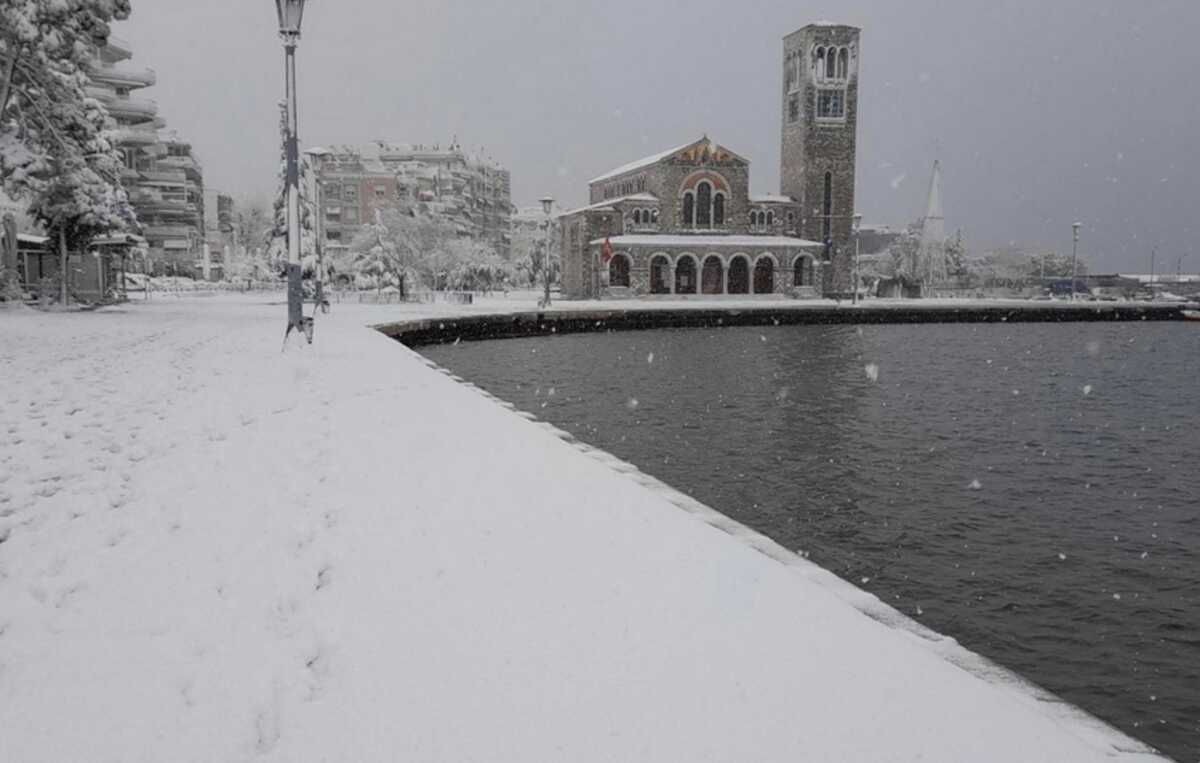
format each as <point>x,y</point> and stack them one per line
<point>66,276</point>
<point>10,66</point>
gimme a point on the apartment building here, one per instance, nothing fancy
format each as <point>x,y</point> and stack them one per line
<point>470,193</point>
<point>163,178</point>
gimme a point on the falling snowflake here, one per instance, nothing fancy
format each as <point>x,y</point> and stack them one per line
<point>552,391</point>
<point>920,611</point>
<point>872,372</point>
<point>1062,557</point>
<point>632,404</point>
<point>1093,348</point>
<point>650,359</point>
<point>1117,596</point>
<point>866,580</point>
<point>782,394</point>
<point>1087,390</point>
<point>975,485</point>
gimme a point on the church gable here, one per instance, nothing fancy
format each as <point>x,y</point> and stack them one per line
<point>705,152</point>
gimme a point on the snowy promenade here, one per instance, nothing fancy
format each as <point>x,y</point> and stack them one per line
<point>212,551</point>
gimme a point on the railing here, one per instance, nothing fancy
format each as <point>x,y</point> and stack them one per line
<point>165,176</point>
<point>125,74</point>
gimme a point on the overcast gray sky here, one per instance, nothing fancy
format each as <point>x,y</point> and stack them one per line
<point>1042,112</point>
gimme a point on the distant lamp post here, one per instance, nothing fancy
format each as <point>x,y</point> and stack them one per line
<point>291,13</point>
<point>858,218</point>
<point>1075,257</point>
<point>547,207</point>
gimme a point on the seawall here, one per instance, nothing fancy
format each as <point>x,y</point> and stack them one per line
<point>574,318</point>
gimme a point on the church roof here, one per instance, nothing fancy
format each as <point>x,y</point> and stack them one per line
<point>656,158</point>
<point>647,198</point>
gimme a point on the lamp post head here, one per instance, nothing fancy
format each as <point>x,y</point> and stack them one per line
<point>291,13</point>
<point>1075,227</point>
<point>858,218</point>
<point>547,205</point>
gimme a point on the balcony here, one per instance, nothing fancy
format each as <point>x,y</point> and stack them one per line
<point>117,49</point>
<point>124,75</point>
<point>135,136</point>
<point>176,177</point>
<point>182,232</point>
<point>130,108</point>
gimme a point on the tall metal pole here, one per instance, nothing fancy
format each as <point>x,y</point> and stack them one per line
<point>547,265</point>
<point>295,283</point>
<point>1075,258</point>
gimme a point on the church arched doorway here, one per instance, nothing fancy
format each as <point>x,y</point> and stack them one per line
<point>739,276</point>
<point>618,271</point>
<point>712,276</point>
<point>764,276</point>
<point>660,275</point>
<point>802,274</point>
<point>685,275</point>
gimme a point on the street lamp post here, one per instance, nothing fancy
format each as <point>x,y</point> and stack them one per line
<point>291,13</point>
<point>547,207</point>
<point>858,218</point>
<point>1074,257</point>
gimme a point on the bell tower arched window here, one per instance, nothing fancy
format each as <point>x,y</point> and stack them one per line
<point>689,208</point>
<point>704,204</point>
<point>827,208</point>
<point>719,209</point>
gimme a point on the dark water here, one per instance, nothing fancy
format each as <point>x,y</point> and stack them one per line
<point>1032,490</point>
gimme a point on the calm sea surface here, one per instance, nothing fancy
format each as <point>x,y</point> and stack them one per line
<point>1031,490</point>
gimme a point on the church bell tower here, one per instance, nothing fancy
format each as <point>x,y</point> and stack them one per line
<point>820,144</point>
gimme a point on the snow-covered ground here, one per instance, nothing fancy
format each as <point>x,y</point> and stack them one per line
<point>215,551</point>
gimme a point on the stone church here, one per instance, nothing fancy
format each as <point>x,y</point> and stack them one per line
<point>685,222</point>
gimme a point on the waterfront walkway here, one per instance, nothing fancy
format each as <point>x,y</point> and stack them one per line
<point>210,550</point>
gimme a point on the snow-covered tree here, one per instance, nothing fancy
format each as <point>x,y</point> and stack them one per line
<point>277,243</point>
<point>55,146</point>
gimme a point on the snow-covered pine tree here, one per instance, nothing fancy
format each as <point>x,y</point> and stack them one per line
<point>55,150</point>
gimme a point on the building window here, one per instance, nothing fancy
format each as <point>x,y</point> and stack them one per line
<point>819,63</point>
<point>350,193</point>
<point>719,209</point>
<point>333,235</point>
<point>654,217</point>
<point>831,104</point>
<point>333,215</point>
<point>831,63</point>
<point>828,208</point>
<point>380,191</point>
<point>637,217</point>
<point>618,271</point>
<point>350,216</point>
<point>793,108</point>
<point>704,205</point>
<point>793,81</point>
<point>770,219</point>
<point>689,208</point>
<point>843,64</point>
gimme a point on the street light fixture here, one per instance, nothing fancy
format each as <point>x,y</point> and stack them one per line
<point>858,218</point>
<point>1075,257</point>
<point>291,13</point>
<point>547,207</point>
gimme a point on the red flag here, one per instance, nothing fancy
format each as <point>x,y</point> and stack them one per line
<point>606,251</point>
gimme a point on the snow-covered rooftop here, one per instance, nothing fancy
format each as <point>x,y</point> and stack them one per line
<point>645,198</point>
<point>711,242</point>
<point>770,198</point>
<point>640,163</point>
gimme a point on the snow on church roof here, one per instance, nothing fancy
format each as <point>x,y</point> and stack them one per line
<point>648,198</point>
<point>645,162</point>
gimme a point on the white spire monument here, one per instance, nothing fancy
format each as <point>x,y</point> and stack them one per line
<point>932,257</point>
